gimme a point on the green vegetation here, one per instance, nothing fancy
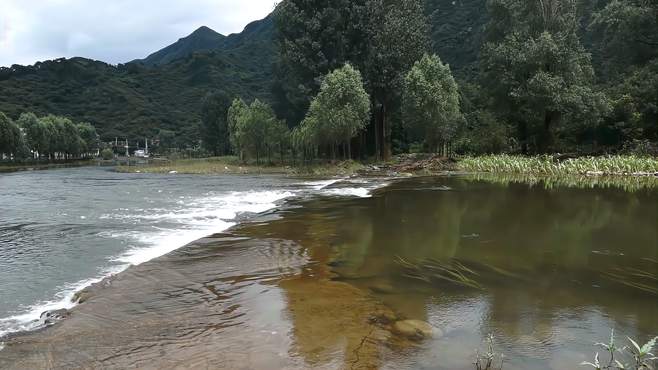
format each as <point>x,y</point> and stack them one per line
<point>431,104</point>
<point>144,98</point>
<point>530,77</point>
<point>235,165</point>
<point>214,124</point>
<point>50,137</point>
<point>537,72</point>
<point>552,165</point>
<point>637,357</point>
<point>627,183</point>
<point>337,115</point>
<point>255,130</point>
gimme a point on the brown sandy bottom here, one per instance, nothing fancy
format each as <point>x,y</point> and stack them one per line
<point>226,302</point>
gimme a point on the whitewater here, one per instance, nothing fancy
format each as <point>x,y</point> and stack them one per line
<point>141,226</point>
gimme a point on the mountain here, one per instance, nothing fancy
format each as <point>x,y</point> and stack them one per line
<point>205,39</point>
<point>202,39</point>
<point>165,89</point>
<point>137,99</point>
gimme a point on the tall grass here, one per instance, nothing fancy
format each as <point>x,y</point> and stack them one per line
<point>627,183</point>
<point>553,166</point>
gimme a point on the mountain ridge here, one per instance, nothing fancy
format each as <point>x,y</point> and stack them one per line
<point>203,39</point>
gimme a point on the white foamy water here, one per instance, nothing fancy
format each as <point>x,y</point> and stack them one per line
<point>140,232</point>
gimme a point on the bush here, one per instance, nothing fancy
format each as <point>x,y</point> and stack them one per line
<point>107,154</point>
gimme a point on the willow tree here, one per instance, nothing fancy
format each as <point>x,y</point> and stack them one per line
<point>255,130</point>
<point>36,133</point>
<point>11,143</point>
<point>537,72</point>
<point>430,103</point>
<point>341,109</point>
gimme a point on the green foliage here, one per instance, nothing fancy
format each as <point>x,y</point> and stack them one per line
<point>538,73</point>
<point>399,35</point>
<point>637,357</point>
<point>135,100</point>
<point>255,130</point>
<point>548,165</point>
<point>337,114</point>
<point>51,137</point>
<point>431,103</point>
<point>214,125</point>
<point>107,154</point>
<point>314,38</point>
<point>11,142</point>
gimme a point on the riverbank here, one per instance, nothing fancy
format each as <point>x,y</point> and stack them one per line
<point>402,165</point>
<point>34,166</point>
<point>421,164</point>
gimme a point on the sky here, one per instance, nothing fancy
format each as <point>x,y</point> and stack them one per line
<point>113,31</point>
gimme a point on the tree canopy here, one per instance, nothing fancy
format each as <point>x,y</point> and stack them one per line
<point>431,103</point>
<point>339,112</point>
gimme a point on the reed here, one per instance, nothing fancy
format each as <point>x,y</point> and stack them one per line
<point>614,165</point>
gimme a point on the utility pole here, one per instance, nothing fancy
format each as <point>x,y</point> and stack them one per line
<point>146,151</point>
<point>127,152</point>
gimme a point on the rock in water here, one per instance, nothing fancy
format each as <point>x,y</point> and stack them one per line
<point>415,329</point>
<point>51,317</point>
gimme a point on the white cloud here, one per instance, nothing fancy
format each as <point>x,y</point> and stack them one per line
<point>114,31</point>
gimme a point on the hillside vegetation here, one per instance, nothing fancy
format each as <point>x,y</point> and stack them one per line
<point>140,98</point>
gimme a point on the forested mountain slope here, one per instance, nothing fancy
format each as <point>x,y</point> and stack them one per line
<point>164,90</point>
<point>142,97</point>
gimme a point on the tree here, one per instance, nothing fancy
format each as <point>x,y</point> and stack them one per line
<point>398,32</point>
<point>431,107</point>
<point>234,116</point>
<point>36,133</point>
<point>214,125</point>
<point>628,31</point>
<point>537,71</point>
<point>341,109</point>
<point>11,142</point>
<point>89,139</point>
<point>314,37</point>
<point>254,129</point>
<point>628,36</point>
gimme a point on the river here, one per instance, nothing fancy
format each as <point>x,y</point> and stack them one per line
<point>290,273</point>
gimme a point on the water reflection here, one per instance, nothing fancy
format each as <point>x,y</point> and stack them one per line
<point>318,284</point>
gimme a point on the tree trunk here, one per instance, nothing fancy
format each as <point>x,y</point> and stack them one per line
<point>378,142</point>
<point>348,147</point>
<point>386,135</point>
<point>545,140</point>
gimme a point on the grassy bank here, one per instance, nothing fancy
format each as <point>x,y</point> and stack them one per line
<point>42,165</point>
<point>627,165</point>
<point>232,165</point>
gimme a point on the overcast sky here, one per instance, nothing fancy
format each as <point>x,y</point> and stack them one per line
<point>114,31</point>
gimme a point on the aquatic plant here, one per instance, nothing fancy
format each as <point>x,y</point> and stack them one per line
<point>626,183</point>
<point>487,360</point>
<point>637,357</point>
<point>553,165</point>
<point>451,271</point>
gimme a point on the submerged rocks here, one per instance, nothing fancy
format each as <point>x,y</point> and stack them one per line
<point>51,317</point>
<point>415,329</point>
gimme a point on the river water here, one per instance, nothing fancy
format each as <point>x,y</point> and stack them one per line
<point>62,230</point>
<point>305,277</point>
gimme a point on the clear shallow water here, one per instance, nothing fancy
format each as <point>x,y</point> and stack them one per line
<point>554,270</point>
<point>62,230</point>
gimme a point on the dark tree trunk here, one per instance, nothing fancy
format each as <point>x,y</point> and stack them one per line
<point>386,135</point>
<point>546,138</point>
